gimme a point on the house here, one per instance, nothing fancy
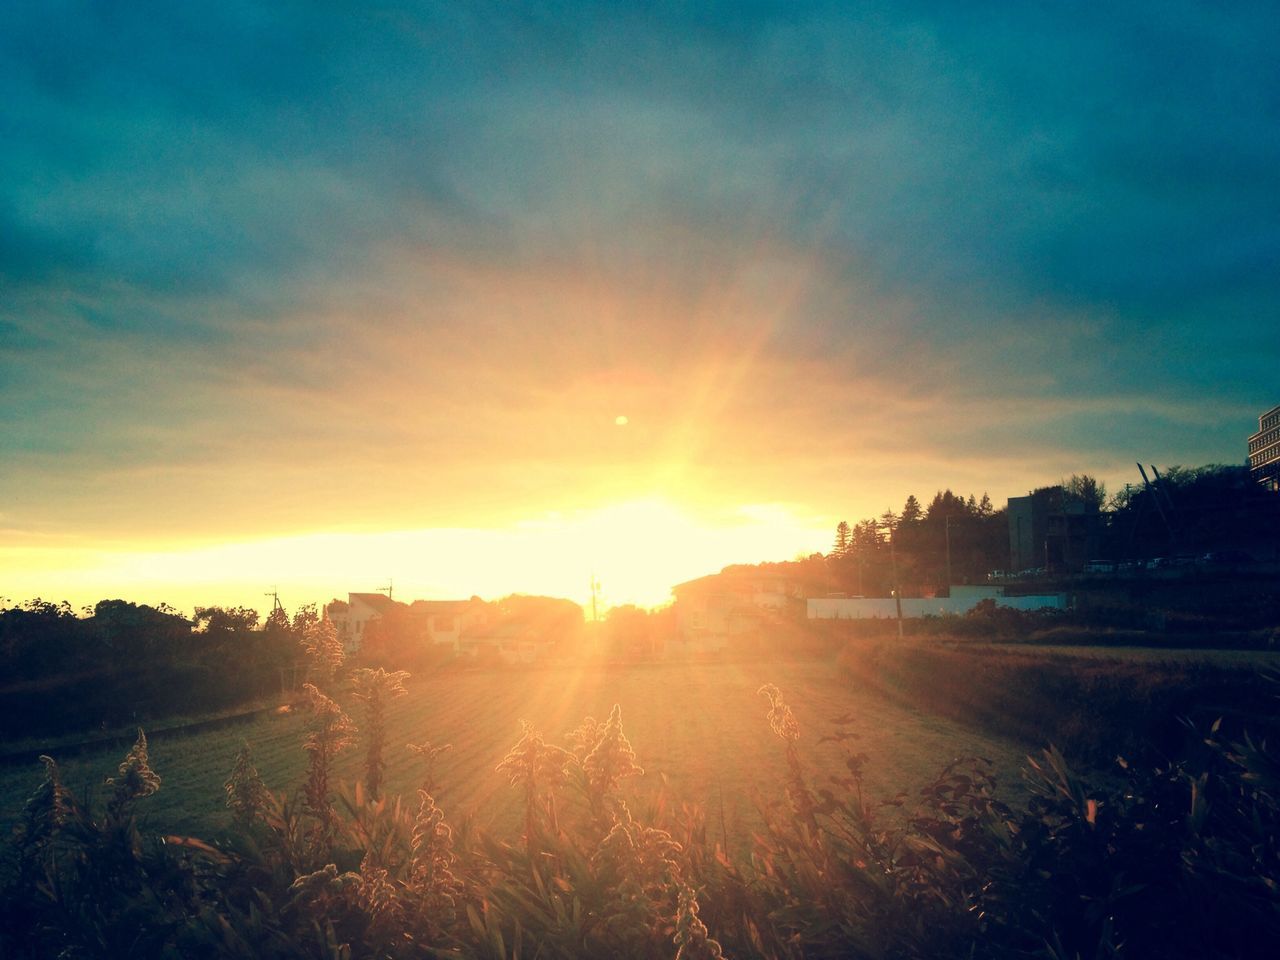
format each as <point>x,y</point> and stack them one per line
<point>351,619</point>
<point>522,629</point>
<point>509,641</point>
<point>733,608</point>
<point>443,622</point>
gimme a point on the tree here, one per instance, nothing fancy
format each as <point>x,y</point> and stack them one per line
<point>945,503</point>
<point>1085,489</point>
<point>843,543</point>
<point>911,511</point>
<point>138,633</point>
<point>224,619</point>
<point>867,536</point>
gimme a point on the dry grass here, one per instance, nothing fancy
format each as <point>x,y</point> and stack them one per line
<point>701,727</point>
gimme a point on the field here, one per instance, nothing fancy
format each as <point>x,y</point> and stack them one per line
<point>701,727</point>
<point>1261,659</point>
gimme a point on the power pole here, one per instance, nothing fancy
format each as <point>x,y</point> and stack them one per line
<point>947,524</point>
<point>891,524</point>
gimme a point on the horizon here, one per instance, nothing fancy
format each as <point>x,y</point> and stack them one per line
<point>496,302</point>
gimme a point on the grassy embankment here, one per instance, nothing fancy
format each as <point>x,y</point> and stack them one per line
<point>1093,703</point>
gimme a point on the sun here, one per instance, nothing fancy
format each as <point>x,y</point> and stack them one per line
<point>639,549</point>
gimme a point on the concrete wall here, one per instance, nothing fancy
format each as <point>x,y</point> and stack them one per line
<point>884,608</point>
<point>975,592</point>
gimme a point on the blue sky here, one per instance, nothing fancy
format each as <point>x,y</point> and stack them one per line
<point>277,272</point>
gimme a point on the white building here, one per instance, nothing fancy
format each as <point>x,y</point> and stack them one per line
<point>962,600</point>
<point>443,622</point>
<point>736,607</point>
<point>352,619</point>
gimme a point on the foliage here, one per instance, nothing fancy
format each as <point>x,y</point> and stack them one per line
<point>247,795</point>
<point>321,644</point>
<point>1179,858</point>
<point>331,731</point>
<point>373,688</point>
<point>134,779</point>
<point>1192,509</point>
<point>120,663</point>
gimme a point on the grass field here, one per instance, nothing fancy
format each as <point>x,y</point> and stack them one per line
<point>702,727</point>
<point>1262,659</point>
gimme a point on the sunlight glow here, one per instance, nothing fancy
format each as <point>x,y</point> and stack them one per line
<point>636,549</point>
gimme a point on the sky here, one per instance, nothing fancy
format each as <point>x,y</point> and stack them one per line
<point>493,297</point>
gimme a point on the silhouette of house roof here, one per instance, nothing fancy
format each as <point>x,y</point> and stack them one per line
<point>739,580</point>
<point>379,601</point>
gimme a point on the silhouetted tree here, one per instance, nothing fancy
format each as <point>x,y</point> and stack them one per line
<point>843,543</point>
<point>1085,489</point>
<point>945,503</point>
<point>911,511</point>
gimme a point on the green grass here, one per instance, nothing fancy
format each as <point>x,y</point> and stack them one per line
<point>1262,659</point>
<point>701,727</point>
<point>1092,703</point>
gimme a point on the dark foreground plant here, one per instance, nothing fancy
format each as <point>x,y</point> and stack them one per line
<point>1177,860</point>
<point>374,687</point>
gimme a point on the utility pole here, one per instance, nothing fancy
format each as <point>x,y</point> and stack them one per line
<point>948,529</point>
<point>892,526</point>
<point>595,590</point>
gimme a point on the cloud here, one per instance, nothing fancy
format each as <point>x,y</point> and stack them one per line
<point>307,267</point>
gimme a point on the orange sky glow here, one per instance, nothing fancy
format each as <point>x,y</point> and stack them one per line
<point>635,550</point>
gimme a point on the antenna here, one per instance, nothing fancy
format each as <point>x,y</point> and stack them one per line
<point>275,597</point>
<point>388,588</point>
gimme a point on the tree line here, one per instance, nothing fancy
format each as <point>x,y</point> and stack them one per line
<point>1185,511</point>
<point>953,539</point>
<point>120,662</point>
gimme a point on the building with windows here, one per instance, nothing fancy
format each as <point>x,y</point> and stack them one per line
<point>1264,450</point>
<point>733,608</point>
<point>443,622</point>
<point>1053,531</point>
<point>438,622</point>
<point>351,619</point>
